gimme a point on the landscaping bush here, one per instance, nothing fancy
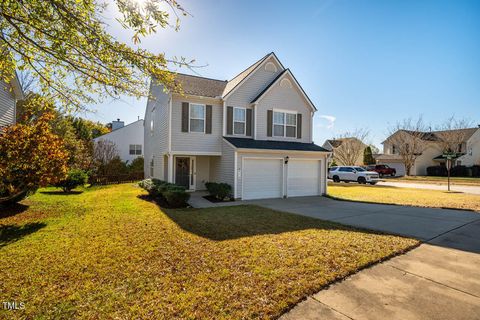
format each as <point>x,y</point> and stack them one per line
<point>476,171</point>
<point>75,178</point>
<point>459,171</point>
<point>219,190</point>
<point>438,171</point>
<point>175,196</point>
<point>136,165</point>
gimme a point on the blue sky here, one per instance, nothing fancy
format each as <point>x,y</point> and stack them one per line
<point>365,64</point>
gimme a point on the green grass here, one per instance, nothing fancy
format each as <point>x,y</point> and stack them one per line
<point>405,196</point>
<point>107,253</point>
<point>438,180</point>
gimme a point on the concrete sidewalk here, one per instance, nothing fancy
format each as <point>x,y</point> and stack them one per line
<point>442,187</point>
<point>438,280</point>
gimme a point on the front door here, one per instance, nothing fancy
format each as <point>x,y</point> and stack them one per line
<point>182,172</point>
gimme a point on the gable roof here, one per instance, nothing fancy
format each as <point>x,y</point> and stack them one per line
<point>201,86</point>
<point>277,79</point>
<point>335,143</point>
<point>241,77</point>
<point>436,135</point>
<point>244,143</point>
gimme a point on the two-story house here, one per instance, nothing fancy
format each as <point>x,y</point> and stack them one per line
<point>253,132</point>
<point>431,154</point>
<point>10,93</point>
<point>128,139</point>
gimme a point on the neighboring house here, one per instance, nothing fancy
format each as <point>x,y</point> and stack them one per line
<point>432,153</point>
<point>128,139</point>
<point>334,145</point>
<point>253,132</point>
<point>9,94</point>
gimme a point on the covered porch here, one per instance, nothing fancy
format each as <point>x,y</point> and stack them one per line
<point>189,170</point>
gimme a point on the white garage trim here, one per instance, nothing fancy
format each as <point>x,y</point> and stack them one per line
<point>281,159</point>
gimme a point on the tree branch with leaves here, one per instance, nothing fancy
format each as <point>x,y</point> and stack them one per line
<point>65,46</point>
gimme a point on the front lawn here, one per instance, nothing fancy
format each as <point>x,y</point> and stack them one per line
<point>405,196</point>
<point>107,253</point>
<point>437,180</point>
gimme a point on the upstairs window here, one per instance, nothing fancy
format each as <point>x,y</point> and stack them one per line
<point>135,149</point>
<point>239,121</point>
<point>197,117</point>
<point>284,124</point>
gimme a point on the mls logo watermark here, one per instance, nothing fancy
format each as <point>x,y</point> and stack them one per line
<point>13,305</point>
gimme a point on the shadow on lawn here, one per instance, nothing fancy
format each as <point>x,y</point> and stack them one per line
<point>225,223</point>
<point>12,210</point>
<point>11,233</point>
<point>61,193</point>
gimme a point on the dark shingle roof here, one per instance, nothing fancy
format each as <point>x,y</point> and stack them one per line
<point>244,143</point>
<point>200,86</point>
<point>335,143</point>
<point>436,135</point>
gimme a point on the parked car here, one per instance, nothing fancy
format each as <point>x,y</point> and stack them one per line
<point>382,169</point>
<point>354,174</point>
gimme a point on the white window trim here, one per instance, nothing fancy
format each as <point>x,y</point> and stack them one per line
<point>244,122</point>
<point>285,125</point>
<point>190,117</point>
<point>135,149</point>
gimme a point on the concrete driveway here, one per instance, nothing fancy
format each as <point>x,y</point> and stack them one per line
<point>438,280</point>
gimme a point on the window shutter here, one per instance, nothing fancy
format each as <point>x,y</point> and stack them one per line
<point>248,129</point>
<point>299,125</point>
<point>229,120</point>
<point>269,122</point>
<point>185,115</point>
<point>208,116</point>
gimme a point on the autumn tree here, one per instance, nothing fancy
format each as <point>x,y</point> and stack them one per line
<point>409,139</point>
<point>104,153</point>
<point>31,156</point>
<point>452,134</point>
<point>65,46</point>
<point>76,133</point>
<point>350,147</point>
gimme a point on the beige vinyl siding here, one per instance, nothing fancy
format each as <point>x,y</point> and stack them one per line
<point>7,105</point>
<point>222,168</point>
<point>284,98</point>
<point>196,141</point>
<point>281,155</point>
<point>157,145</point>
<point>202,171</point>
<point>249,90</point>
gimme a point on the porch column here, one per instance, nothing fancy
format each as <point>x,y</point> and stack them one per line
<point>170,168</point>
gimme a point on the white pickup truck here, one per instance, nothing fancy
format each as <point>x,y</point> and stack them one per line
<point>353,173</point>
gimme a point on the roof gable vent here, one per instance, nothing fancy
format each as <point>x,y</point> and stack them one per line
<point>271,67</point>
<point>285,83</point>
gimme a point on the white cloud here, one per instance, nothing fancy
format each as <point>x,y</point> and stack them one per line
<point>330,121</point>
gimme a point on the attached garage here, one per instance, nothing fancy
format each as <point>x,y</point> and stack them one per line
<point>303,177</point>
<point>276,169</point>
<point>262,178</point>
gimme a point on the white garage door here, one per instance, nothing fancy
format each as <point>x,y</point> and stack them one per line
<point>262,178</point>
<point>399,167</point>
<point>303,178</point>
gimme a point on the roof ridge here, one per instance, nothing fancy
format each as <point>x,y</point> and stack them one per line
<point>261,59</point>
<point>191,75</point>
